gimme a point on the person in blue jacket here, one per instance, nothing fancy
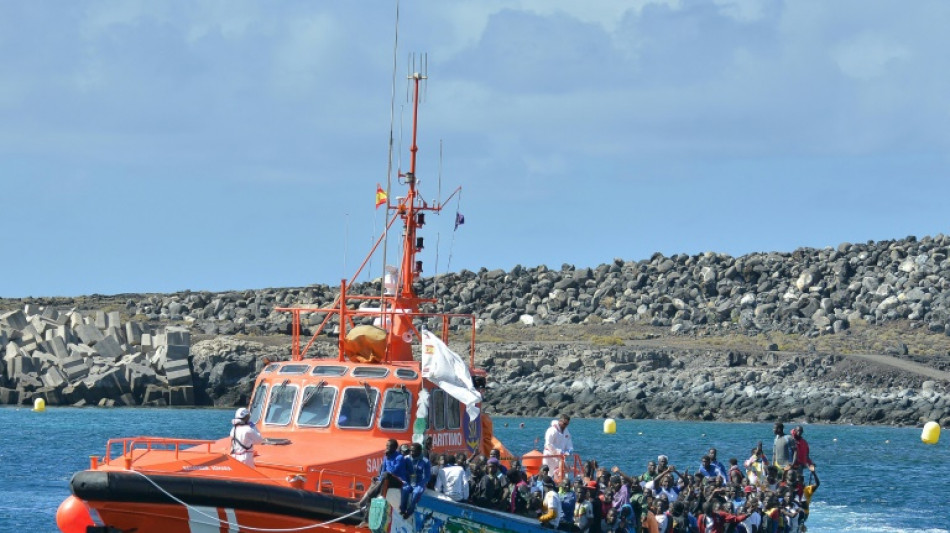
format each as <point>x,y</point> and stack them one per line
<point>418,471</point>
<point>393,468</point>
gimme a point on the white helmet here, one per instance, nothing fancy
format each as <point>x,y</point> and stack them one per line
<point>242,413</point>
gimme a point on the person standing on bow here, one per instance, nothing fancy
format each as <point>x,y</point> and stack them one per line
<point>418,471</point>
<point>557,443</point>
<point>244,436</point>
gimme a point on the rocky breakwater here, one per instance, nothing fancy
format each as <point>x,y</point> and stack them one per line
<point>808,291</point>
<point>75,358</point>
<point>620,382</point>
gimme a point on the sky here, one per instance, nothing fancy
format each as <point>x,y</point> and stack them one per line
<point>161,146</point>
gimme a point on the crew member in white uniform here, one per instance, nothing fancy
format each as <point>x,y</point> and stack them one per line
<point>557,441</point>
<point>244,436</point>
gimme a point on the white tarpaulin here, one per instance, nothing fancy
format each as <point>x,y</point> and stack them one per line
<point>445,368</point>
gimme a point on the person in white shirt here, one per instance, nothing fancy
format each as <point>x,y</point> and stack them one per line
<point>244,436</point>
<point>552,512</point>
<point>557,442</point>
<point>451,480</point>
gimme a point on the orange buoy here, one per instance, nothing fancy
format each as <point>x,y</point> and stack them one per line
<point>73,516</point>
<point>531,462</point>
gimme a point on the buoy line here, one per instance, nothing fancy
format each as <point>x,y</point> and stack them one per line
<point>218,521</point>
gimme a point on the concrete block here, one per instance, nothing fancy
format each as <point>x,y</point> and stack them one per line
<point>75,367</point>
<point>113,320</point>
<point>154,393</point>
<point>14,319</point>
<point>12,350</point>
<point>9,396</point>
<point>133,333</point>
<point>75,319</point>
<point>26,396</point>
<point>54,377</point>
<point>66,333</point>
<point>81,350</point>
<point>51,314</point>
<point>31,331</point>
<point>58,347</point>
<point>73,394</point>
<point>126,400</point>
<point>158,339</point>
<point>89,334</point>
<point>29,342</point>
<point>117,332</point>
<point>50,394</point>
<point>80,403</point>
<point>32,309</point>
<point>177,337</point>
<point>43,360</point>
<point>106,402</point>
<point>38,324</point>
<point>28,382</point>
<point>21,367</point>
<point>101,322</point>
<point>109,348</point>
<point>148,340</point>
<point>177,373</point>
<point>181,395</point>
<point>174,352</point>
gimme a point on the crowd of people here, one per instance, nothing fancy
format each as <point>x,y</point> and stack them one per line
<point>754,495</point>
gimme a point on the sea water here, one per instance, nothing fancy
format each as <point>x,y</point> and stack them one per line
<point>873,479</point>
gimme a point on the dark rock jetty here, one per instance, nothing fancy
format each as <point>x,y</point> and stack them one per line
<point>203,348</point>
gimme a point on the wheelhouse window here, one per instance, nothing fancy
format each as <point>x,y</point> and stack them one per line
<point>316,406</point>
<point>395,414</point>
<point>280,407</point>
<point>257,402</point>
<point>437,409</point>
<point>293,369</point>
<point>453,416</point>
<point>356,409</point>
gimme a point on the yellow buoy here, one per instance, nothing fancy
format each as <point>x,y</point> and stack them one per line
<point>610,426</point>
<point>39,405</point>
<point>931,433</point>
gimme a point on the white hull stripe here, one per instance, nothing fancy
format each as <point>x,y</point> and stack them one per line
<point>233,526</point>
<point>203,520</point>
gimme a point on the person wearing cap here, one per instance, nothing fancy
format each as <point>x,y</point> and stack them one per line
<point>489,492</point>
<point>552,512</point>
<point>557,442</point>
<point>244,436</point>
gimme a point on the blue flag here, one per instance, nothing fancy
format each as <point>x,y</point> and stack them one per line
<point>459,219</point>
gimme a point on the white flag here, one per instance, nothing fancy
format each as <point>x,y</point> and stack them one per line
<point>448,371</point>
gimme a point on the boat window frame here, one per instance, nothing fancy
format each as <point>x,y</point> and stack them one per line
<point>371,372</point>
<point>294,369</point>
<point>382,409</point>
<point>263,401</point>
<point>372,412</point>
<point>336,393</point>
<point>338,371</point>
<point>436,422</point>
<point>293,404</point>
<point>407,374</point>
<point>456,417</point>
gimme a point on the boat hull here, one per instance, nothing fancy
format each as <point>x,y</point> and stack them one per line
<point>127,501</point>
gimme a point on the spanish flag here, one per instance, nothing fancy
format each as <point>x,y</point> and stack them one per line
<point>380,196</point>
